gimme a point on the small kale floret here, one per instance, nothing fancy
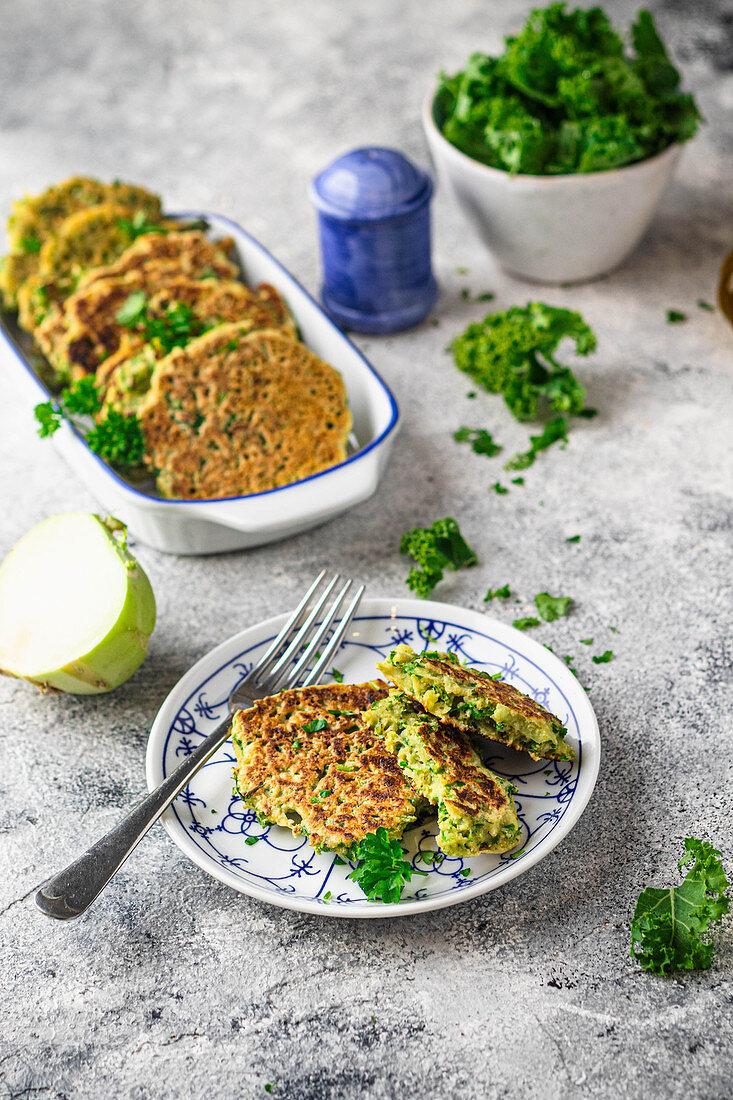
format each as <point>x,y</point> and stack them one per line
<point>513,353</point>
<point>667,925</point>
<point>381,871</point>
<point>435,548</point>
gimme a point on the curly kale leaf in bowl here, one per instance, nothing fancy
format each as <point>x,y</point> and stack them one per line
<point>566,96</point>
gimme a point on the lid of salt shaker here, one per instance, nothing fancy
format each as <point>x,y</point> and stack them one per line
<point>369,184</point>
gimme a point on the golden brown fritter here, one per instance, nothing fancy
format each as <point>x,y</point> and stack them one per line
<point>235,413</point>
<point>36,218</point>
<point>307,761</point>
<point>183,252</point>
<point>476,811</point>
<point>88,335</point>
<point>476,703</point>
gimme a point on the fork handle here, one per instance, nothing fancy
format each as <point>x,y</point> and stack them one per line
<point>70,893</point>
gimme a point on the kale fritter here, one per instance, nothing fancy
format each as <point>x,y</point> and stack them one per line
<point>93,333</point>
<point>306,760</point>
<point>34,219</point>
<point>476,812</point>
<point>476,703</point>
<point>236,412</point>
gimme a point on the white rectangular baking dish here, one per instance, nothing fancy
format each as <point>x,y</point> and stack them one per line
<point>213,526</point>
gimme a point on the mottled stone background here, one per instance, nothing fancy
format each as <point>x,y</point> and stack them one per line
<point>174,986</point>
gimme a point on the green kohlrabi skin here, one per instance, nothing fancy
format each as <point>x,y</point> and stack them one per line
<point>124,644</point>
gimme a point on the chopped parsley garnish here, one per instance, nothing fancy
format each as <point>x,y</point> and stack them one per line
<point>341,713</point>
<point>674,316</point>
<point>513,353</point>
<point>465,872</point>
<point>381,871</point>
<point>566,96</point>
<point>482,442</point>
<point>668,925</point>
<point>553,432</point>
<point>705,305</point>
<point>435,548</point>
<point>573,538</point>
<point>499,488</point>
<point>432,858</point>
<point>550,607</point>
<point>338,676</point>
<point>30,245</point>
<point>502,593</point>
<point>517,481</point>
<point>315,725</point>
<point>586,641</point>
<point>486,296</point>
<point>327,896</point>
<point>602,658</point>
<point>250,840</point>
<point>116,438</point>
<point>526,623</point>
<point>175,328</point>
<point>138,225</point>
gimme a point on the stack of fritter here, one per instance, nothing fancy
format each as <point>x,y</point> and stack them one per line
<point>154,311</point>
<point>337,762</point>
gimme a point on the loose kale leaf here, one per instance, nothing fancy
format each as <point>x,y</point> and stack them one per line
<point>481,441</point>
<point>526,623</point>
<point>435,548</point>
<point>667,925</point>
<point>554,432</point>
<point>513,353</point>
<point>550,608</point>
<point>381,871</point>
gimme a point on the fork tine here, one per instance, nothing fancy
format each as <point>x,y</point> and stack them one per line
<point>335,642</point>
<point>293,622</point>
<point>272,674</point>
<point>292,677</point>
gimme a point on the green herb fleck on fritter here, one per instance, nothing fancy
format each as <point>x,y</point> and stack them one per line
<point>381,871</point>
<point>668,925</point>
<point>435,548</point>
<point>315,725</point>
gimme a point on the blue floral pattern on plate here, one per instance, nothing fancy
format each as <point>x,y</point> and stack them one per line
<point>225,838</point>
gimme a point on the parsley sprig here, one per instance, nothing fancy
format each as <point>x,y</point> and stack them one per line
<point>381,871</point>
<point>116,438</point>
<point>668,925</point>
<point>173,329</point>
<point>435,548</point>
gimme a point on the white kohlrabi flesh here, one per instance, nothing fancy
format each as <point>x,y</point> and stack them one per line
<point>76,609</point>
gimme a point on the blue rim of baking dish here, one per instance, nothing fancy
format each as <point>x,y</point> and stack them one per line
<point>394,408</point>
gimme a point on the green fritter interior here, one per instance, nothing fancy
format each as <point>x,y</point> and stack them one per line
<point>476,703</point>
<point>476,812</point>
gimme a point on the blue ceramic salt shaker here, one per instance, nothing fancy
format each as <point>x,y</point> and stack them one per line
<point>374,223</point>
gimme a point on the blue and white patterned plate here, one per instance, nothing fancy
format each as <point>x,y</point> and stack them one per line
<point>213,828</point>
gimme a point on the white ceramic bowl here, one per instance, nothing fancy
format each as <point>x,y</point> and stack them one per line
<point>552,229</point>
<point>213,526</point>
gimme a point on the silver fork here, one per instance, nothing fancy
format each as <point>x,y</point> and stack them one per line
<point>71,892</point>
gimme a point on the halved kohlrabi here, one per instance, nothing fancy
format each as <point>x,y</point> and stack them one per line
<point>76,609</point>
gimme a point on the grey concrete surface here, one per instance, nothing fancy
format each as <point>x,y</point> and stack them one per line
<point>174,986</point>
